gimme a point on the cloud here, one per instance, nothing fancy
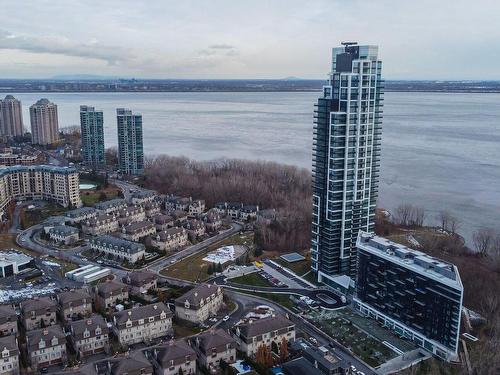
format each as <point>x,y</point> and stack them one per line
<point>63,46</point>
<point>221,46</point>
<point>219,50</point>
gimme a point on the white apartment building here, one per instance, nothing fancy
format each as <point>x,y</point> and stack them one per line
<point>44,122</point>
<point>57,184</point>
<point>142,324</point>
<point>199,303</point>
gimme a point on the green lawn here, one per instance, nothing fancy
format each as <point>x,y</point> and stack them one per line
<point>194,268</point>
<point>251,279</point>
<point>300,267</point>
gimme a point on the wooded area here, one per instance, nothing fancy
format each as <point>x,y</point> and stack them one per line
<point>267,184</point>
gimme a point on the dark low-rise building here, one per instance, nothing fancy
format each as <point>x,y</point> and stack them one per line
<point>417,296</point>
<point>174,357</point>
<point>8,320</point>
<point>89,336</point>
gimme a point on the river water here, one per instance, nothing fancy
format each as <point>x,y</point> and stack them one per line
<point>439,150</point>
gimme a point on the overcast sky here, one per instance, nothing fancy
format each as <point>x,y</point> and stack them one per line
<point>424,39</point>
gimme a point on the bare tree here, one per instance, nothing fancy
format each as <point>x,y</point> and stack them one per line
<point>482,239</point>
<point>404,214</point>
<point>419,214</point>
<point>448,222</point>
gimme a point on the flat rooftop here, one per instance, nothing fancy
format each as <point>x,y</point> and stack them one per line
<point>414,260</point>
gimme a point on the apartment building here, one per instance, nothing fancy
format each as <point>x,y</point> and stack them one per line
<point>89,336</point>
<point>39,312</point>
<point>130,143</point>
<point>44,122</point>
<point>57,184</point>
<point>9,365</point>
<point>195,228</point>
<point>109,293</point>
<point>142,324</point>
<point>11,117</point>
<point>212,220</point>
<point>131,214</point>
<point>81,214</point>
<point>198,304</point>
<point>174,203</point>
<point>8,320</point>
<point>196,207</point>
<point>153,208</point>
<point>255,333</point>
<point>46,346</point>
<point>64,234</point>
<point>138,230</point>
<point>180,217</point>
<point>92,136</point>
<point>142,196</point>
<point>410,292</point>
<point>346,159</point>
<point>173,358</point>
<point>248,212</point>
<point>74,304</point>
<point>135,364</point>
<point>100,225</point>
<point>163,222</point>
<point>213,346</point>
<point>111,206</point>
<point>118,247</point>
<point>170,239</point>
<point>141,282</point>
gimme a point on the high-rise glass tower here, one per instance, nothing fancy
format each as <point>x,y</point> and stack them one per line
<point>130,147</point>
<point>346,155</point>
<point>44,122</point>
<point>11,117</point>
<point>92,127</point>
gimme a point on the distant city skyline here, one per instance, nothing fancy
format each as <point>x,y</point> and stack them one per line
<point>450,40</point>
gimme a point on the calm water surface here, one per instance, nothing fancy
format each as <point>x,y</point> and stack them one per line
<point>440,151</point>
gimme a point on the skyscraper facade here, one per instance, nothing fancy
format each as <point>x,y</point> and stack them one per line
<point>92,128</point>
<point>346,155</point>
<point>44,122</point>
<point>11,117</point>
<point>130,146</point>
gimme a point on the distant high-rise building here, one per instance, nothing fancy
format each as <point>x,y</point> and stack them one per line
<point>92,127</point>
<point>346,155</point>
<point>130,147</point>
<point>44,122</point>
<point>417,296</point>
<point>11,117</point>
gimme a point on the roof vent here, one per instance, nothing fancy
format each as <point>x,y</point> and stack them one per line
<point>155,307</point>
